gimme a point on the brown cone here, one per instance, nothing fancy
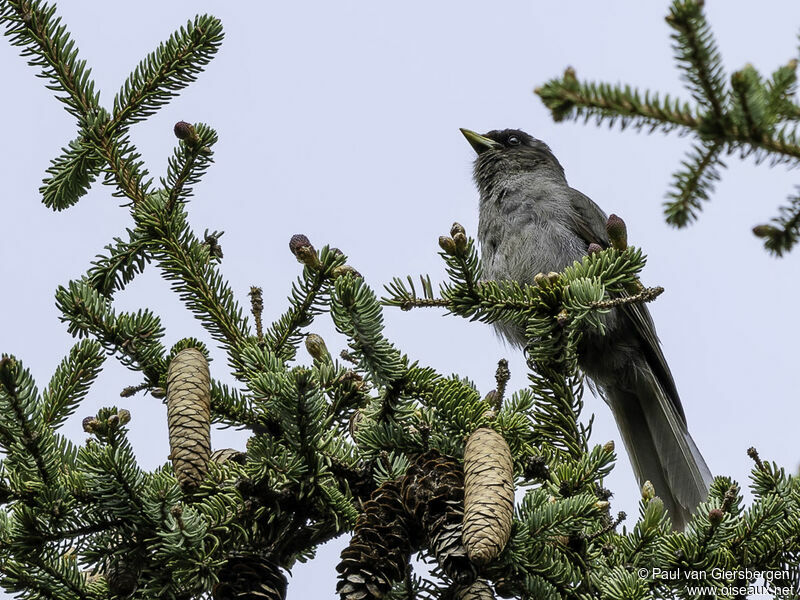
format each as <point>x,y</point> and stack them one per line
<point>247,577</point>
<point>433,493</point>
<point>380,548</point>
<point>478,590</point>
<point>223,455</point>
<point>189,416</point>
<point>488,495</point>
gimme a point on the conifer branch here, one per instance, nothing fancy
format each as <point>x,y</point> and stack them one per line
<point>71,382</point>
<point>693,184</point>
<point>184,260</point>
<point>752,116</point>
<point>698,56</point>
<point>646,295</point>
<point>171,67</point>
<point>32,25</point>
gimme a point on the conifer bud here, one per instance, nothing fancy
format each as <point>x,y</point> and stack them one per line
<point>648,491</point>
<point>303,251</point>
<point>765,231</point>
<point>89,424</point>
<point>344,270</point>
<point>488,495</point>
<point>189,416</point>
<point>609,446</point>
<point>316,347</point>
<point>617,232</point>
<point>715,515</point>
<point>594,248</point>
<point>457,228</point>
<point>602,505</point>
<point>186,132</point>
<point>460,240</point>
<point>447,244</point>
<point>297,241</point>
<point>553,277</point>
<point>541,280</point>
<point>792,64</point>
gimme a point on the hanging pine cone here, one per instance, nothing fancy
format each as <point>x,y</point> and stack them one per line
<point>249,577</point>
<point>433,494</point>
<point>478,590</point>
<point>189,416</point>
<point>122,578</point>
<point>488,495</point>
<point>223,455</point>
<point>380,548</point>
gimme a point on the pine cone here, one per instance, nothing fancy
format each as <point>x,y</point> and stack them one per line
<point>488,495</point>
<point>223,455</point>
<point>122,578</point>
<point>249,577</point>
<point>380,548</point>
<point>433,494</point>
<point>478,590</point>
<point>189,416</point>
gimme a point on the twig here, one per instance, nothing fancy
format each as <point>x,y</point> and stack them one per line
<point>646,295</point>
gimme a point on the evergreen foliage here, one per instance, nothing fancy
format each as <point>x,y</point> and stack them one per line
<point>748,113</point>
<point>372,444</point>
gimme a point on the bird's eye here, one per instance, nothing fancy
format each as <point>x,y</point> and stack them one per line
<point>513,141</point>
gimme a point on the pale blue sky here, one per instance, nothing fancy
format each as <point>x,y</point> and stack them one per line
<point>340,120</point>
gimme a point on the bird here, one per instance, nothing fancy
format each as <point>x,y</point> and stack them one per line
<point>531,221</point>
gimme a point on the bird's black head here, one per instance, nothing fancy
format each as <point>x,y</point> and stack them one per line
<point>510,152</point>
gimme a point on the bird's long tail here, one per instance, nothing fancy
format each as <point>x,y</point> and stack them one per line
<point>660,447</point>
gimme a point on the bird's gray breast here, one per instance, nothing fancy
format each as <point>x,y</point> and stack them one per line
<point>525,229</point>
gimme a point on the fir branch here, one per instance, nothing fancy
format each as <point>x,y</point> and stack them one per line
<point>70,175</point>
<point>124,169</point>
<point>70,383</point>
<point>135,338</point>
<point>34,26</point>
<point>188,164</point>
<point>782,235</point>
<point>646,295</point>
<point>126,259</point>
<point>781,89</point>
<point>309,293</point>
<point>166,71</point>
<point>356,313</point>
<point>567,98</point>
<point>22,436</point>
<point>693,184</point>
<point>184,261</point>
<point>697,54</point>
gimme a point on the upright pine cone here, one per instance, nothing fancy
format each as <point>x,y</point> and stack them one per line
<point>433,494</point>
<point>189,416</point>
<point>488,495</point>
<point>248,577</point>
<point>380,548</point>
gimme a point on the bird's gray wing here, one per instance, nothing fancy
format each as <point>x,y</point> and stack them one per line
<point>590,224</point>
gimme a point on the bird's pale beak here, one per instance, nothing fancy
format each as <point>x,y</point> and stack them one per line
<point>479,143</point>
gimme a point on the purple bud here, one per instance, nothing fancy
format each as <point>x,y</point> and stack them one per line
<point>299,241</point>
<point>183,130</point>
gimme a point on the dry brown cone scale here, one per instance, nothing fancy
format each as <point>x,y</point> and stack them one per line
<point>189,416</point>
<point>488,495</point>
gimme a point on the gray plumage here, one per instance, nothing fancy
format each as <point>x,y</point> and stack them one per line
<point>531,221</point>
